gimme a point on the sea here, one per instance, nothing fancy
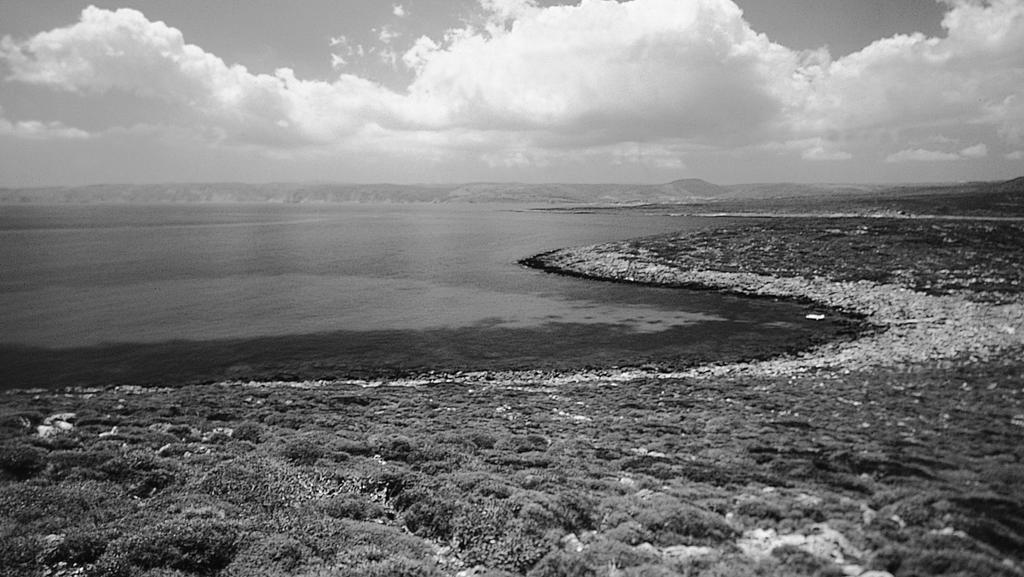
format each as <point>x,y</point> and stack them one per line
<point>171,294</point>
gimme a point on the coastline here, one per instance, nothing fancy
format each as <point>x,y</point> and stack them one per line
<point>898,453</point>
<point>908,327</point>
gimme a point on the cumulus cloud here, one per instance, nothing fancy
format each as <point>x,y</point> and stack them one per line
<point>972,75</point>
<point>399,10</point>
<point>608,72</point>
<point>921,155</point>
<point>36,130</point>
<point>545,84</point>
<point>976,151</point>
<point>505,10</point>
<point>122,50</point>
<point>816,148</point>
<point>979,150</point>
<point>387,34</point>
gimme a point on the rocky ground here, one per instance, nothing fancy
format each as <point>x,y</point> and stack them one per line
<point>935,291</point>
<point>899,453</point>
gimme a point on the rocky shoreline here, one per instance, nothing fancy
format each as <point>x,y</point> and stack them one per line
<point>909,326</point>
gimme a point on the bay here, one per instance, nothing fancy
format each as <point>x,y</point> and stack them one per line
<point>100,294</point>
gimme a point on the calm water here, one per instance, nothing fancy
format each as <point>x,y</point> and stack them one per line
<point>179,293</point>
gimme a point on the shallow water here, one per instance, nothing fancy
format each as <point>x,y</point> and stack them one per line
<point>179,293</point>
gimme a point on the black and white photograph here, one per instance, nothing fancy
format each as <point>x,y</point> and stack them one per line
<point>512,288</point>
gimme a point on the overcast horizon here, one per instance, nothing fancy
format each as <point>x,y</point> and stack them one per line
<point>432,92</point>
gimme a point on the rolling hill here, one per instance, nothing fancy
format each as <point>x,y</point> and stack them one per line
<point>685,191</point>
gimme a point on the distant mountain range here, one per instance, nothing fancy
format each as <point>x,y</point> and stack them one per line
<point>684,191</point>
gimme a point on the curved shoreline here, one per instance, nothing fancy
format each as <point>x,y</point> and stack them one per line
<point>912,327</point>
<point>869,458</point>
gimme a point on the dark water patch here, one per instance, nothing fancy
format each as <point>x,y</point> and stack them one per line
<point>392,353</point>
<point>153,294</point>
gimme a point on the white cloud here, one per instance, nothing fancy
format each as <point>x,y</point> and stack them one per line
<point>36,130</point>
<point>518,154</point>
<point>420,53</point>
<point>977,151</point>
<point>1015,155</point>
<point>504,10</point>
<point>825,154</point>
<point>389,57</point>
<point>548,84</point>
<point>972,75</point>
<point>604,72</point>
<point>810,149</point>
<point>921,155</point>
<point>821,149</point>
<point>387,34</point>
<point>122,50</point>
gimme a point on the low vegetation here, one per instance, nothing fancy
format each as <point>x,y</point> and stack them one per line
<point>917,472</point>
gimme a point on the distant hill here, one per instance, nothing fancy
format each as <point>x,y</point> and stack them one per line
<point>694,187</point>
<point>685,191</point>
<point>227,192</point>
<point>1014,186</point>
<point>794,189</point>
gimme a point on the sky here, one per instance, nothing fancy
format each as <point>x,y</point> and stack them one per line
<point>440,91</point>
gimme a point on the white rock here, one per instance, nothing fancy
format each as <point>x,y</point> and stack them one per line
<point>572,543</point>
<point>681,552</point>
<point>60,417</point>
<point>110,433</point>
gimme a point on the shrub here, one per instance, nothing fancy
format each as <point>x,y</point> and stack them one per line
<point>392,447</point>
<point>80,547</point>
<point>50,509</point>
<point>952,562</point>
<point>18,423</point>
<point>350,506</point>
<point>302,451</point>
<point>307,448</point>
<point>796,561</point>
<point>143,472</point>
<point>490,524</point>
<point>18,553</point>
<point>345,541</point>
<point>350,447</point>
<point>759,510</point>
<point>21,461</point>
<point>376,561</point>
<point>597,557</point>
<point>665,520</point>
<point>483,440</point>
<point>264,483</point>
<point>79,464</point>
<point>270,555</point>
<point>248,431</point>
<point>683,523</point>
<point>194,545</point>
<point>428,515</point>
<point>562,564</point>
<point>396,567</point>
<point>522,443</point>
